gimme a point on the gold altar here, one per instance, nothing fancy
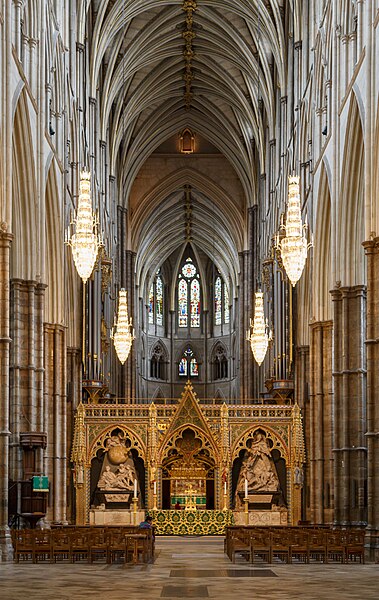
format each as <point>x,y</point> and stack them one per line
<point>190,455</point>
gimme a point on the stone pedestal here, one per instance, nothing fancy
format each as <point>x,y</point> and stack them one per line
<point>97,516</point>
<point>262,518</point>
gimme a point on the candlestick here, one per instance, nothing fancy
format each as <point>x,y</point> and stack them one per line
<point>155,488</point>
<point>135,488</point>
<point>246,494</point>
<point>225,488</point>
<point>135,500</point>
<point>246,500</point>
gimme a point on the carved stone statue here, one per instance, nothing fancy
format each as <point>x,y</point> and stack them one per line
<point>107,479</point>
<point>258,468</point>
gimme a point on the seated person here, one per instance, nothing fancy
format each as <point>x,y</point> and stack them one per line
<point>147,523</point>
<point>177,505</point>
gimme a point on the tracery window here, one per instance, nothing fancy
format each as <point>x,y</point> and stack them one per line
<point>155,302</point>
<point>189,293</point>
<point>188,365</point>
<point>157,363</point>
<point>218,301</point>
<point>220,363</point>
<point>221,302</point>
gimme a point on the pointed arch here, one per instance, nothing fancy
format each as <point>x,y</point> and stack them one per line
<point>351,207</point>
<point>25,220</point>
<point>322,259</point>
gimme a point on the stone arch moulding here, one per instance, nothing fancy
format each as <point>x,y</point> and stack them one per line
<point>100,440</point>
<point>169,443</point>
<point>278,442</point>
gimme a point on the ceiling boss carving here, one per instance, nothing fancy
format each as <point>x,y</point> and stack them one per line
<point>189,6</point>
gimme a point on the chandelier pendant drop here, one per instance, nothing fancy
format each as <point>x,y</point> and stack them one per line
<point>294,245</point>
<point>86,240</point>
<point>122,332</point>
<point>260,336</point>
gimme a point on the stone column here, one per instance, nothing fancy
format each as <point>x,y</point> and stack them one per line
<point>372,433</point>
<point>320,425</point>
<point>245,358</point>
<point>26,369</point>
<point>56,420</point>
<point>5,539</point>
<point>349,406</point>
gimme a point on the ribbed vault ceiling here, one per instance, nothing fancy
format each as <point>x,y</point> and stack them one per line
<point>136,71</point>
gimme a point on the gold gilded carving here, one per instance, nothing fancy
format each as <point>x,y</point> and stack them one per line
<point>186,443</point>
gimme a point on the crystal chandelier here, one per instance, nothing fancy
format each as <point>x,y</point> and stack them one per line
<point>294,245</point>
<point>86,240</point>
<point>260,336</point>
<point>122,333</point>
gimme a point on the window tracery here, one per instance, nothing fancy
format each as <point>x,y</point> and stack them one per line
<point>155,300</point>
<point>188,365</point>
<point>189,292</point>
<point>158,363</point>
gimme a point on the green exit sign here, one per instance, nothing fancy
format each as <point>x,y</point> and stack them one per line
<point>40,483</point>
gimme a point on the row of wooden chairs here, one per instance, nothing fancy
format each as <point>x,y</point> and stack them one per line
<point>90,544</point>
<point>295,544</point>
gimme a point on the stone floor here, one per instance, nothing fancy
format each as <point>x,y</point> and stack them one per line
<point>188,568</point>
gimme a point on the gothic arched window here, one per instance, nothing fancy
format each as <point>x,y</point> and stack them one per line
<point>221,302</point>
<point>189,292</point>
<point>220,363</point>
<point>157,363</point>
<point>188,365</point>
<point>155,303</point>
<point>218,301</point>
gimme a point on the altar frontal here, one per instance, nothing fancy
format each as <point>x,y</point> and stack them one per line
<point>194,467</point>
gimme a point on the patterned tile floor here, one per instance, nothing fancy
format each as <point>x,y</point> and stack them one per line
<point>188,568</point>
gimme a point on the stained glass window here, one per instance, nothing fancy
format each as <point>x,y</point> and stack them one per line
<point>218,301</point>
<point>183,303</point>
<point>183,367</point>
<point>151,304</point>
<point>189,295</point>
<point>226,304</point>
<point>159,301</point>
<point>188,365</point>
<point>195,303</point>
<point>189,269</point>
<point>194,368</point>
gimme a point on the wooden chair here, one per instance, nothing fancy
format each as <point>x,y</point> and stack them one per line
<point>355,547</point>
<point>80,547</point>
<point>61,544</point>
<point>260,546</point>
<point>336,542</point>
<point>98,545</point>
<point>116,546</point>
<point>299,546</point>
<point>280,546</point>
<point>23,543</point>
<point>317,545</point>
<point>42,541</point>
<point>239,544</point>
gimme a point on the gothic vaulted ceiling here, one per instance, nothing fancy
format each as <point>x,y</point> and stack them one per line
<point>158,66</point>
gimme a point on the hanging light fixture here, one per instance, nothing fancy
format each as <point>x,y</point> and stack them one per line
<point>122,333</point>
<point>86,240</point>
<point>260,335</point>
<point>294,245</point>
